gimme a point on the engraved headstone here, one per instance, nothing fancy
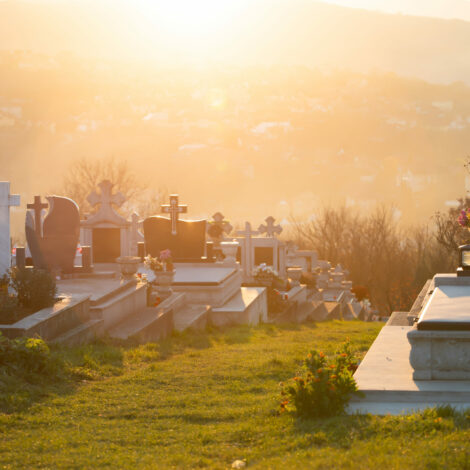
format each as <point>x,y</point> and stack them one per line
<point>174,209</point>
<point>56,248</point>
<point>187,245</point>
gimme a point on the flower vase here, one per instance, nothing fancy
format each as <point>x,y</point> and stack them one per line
<point>229,250</point>
<point>128,265</point>
<point>163,281</point>
<point>294,273</point>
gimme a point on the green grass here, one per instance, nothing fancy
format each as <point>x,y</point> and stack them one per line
<point>206,399</point>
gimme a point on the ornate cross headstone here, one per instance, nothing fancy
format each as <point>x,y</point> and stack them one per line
<point>219,219</point>
<point>106,197</point>
<point>37,206</point>
<point>247,233</point>
<point>7,200</point>
<point>270,229</point>
<point>174,209</point>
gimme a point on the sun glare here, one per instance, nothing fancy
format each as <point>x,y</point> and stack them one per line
<point>191,19</point>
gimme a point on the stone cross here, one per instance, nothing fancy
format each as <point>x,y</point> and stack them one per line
<point>7,200</point>
<point>247,260</point>
<point>270,229</point>
<point>37,206</point>
<point>219,219</point>
<point>174,209</point>
<point>247,233</point>
<point>106,198</point>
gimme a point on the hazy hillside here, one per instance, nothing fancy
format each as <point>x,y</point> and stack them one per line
<point>247,141</point>
<point>280,32</point>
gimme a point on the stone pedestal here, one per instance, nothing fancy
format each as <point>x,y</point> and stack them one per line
<point>440,355</point>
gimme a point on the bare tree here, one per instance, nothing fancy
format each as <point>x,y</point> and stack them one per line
<point>379,254</point>
<point>85,174</point>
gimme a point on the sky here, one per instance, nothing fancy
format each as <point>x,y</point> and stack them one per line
<point>450,9</point>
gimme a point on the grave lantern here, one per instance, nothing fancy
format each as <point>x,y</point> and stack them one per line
<point>464,261</point>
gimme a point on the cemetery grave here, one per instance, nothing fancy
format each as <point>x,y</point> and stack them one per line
<point>421,358</point>
<point>109,291</point>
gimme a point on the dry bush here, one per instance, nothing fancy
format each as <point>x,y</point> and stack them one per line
<point>391,261</point>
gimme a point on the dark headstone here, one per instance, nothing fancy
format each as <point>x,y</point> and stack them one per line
<point>187,245</point>
<point>106,244</point>
<point>56,249</point>
<point>264,254</point>
<point>20,257</point>
<point>141,250</point>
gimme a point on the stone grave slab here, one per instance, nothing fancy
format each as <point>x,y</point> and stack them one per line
<point>206,284</point>
<point>447,309</point>
<point>440,341</point>
<point>385,376</point>
<point>247,306</point>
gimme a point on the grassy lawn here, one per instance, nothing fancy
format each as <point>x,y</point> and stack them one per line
<point>206,399</point>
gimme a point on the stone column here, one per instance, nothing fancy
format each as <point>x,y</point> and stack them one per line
<point>6,200</point>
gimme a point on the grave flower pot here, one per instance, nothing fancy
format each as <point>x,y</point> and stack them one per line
<point>229,250</point>
<point>295,273</point>
<point>163,281</point>
<point>128,265</point>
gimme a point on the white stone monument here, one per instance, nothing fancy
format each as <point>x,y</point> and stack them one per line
<point>6,201</point>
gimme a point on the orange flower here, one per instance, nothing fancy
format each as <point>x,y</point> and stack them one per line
<point>319,371</point>
<point>333,376</point>
<point>309,356</point>
<point>332,366</point>
<point>322,355</point>
<point>343,355</point>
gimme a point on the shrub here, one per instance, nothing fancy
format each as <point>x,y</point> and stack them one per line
<point>35,288</point>
<point>25,356</point>
<point>325,389</point>
<point>8,308</point>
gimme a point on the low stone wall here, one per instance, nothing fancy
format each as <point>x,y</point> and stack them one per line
<point>51,322</point>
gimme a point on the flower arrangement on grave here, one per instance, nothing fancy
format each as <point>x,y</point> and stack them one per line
<point>163,263</point>
<point>464,218</point>
<point>167,260</point>
<point>265,274</point>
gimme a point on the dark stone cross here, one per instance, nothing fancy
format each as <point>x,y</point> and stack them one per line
<point>37,206</point>
<point>270,229</point>
<point>174,209</point>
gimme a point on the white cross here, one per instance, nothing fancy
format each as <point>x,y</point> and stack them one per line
<point>7,200</point>
<point>270,229</point>
<point>247,261</point>
<point>174,209</point>
<point>247,233</point>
